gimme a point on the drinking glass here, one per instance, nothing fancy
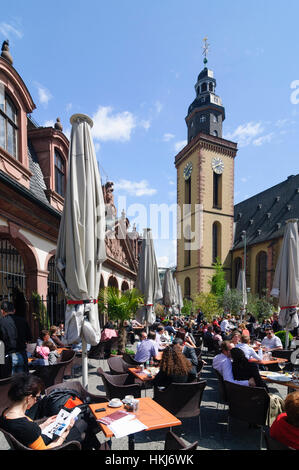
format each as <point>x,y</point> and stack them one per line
<point>281,365</point>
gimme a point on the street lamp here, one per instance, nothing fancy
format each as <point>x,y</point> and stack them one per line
<point>244,239</point>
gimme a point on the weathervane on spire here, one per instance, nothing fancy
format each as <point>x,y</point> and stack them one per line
<point>205,50</point>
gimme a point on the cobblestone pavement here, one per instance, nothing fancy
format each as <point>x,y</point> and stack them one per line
<point>215,435</point>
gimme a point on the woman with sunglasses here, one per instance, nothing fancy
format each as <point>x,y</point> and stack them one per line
<point>24,392</point>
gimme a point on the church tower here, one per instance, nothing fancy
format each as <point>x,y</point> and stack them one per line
<point>205,190</point>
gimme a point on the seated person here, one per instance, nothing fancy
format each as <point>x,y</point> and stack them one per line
<point>243,329</point>
<point>44,336</point>
<point>170,328</point>
<point>223,364</point>
<point>248,350</point>
<point>270,341</point>
<point>54,337</point>
<point>285,428</point>
<point>235,337</point>
<point>41,354</point>
<point>160,337</point>
<point>243,369</point>
<point>147,348</point>
<point>189,353</point>
<point>24,392</point>
<point>174,367</point>
<point>217,336</point>
<point>53,353</point>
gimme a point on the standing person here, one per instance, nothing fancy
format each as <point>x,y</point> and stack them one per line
<point>15,333</point>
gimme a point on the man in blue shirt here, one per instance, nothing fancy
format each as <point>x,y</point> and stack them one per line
<point>147,348</point>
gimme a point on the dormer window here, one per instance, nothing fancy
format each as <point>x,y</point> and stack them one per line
<point>211,87</point>
<point>204,87</point>
<point>8,124</point>
<point>59,174</point>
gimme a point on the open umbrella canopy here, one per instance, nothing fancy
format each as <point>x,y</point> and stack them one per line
<point>148,280</point>
<point>81,241</point>
<point>286,277</point>
<point>170,298</point>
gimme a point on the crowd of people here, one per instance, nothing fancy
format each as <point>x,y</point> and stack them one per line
<point>173,343</point>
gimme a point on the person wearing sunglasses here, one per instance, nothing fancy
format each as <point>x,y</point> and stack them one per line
<point>270,341</point>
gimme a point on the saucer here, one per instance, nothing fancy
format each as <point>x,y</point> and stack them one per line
<point>115,404</point>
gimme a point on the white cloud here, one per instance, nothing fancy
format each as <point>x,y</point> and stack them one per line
<point>168,136</point>
<point>69,106</point>
<point>109,126</point>
<point>163,261</point>
<point>49,123</point>
<point>158,106</point>
<point>245,133</point>
<point>9,30</point>
<point>178,146</point>
<point>43,94</point>
<point>264,139</point>
<point>135,188</point>
<point>146,124</point>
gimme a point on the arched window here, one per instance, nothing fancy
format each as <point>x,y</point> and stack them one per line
<point>8,124</point>
<point>261,272</point>
<point>112,282</point>
<point>124,286</point>
<point>187,288</point>
<point>216,241</point>
<point>188,191</point>
<point>215,133</point>
<point>211,86</point>
<point>12,271</point>
<point>55,298</point>
<point>59,174</point>
<point>215,118</point>
<point>204,87</point>
<point>202,118</point>
<point>237,269</point>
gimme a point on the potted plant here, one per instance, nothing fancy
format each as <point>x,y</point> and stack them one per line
<point>120,306</point>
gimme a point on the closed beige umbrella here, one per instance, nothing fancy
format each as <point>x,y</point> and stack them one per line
<point>148,280</point>
<point>241,286</point>
<point>169,290</point>
<point>286,278</point>
<point>81,242</point>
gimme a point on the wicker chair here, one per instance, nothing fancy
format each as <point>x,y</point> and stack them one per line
<point>118,386</point>
<point>117,365</point>
<point>54,374</point>
<point>87,397</point>
<point>16,445</point>
<point>222,396</point>
<point>129,359</point>
<point>249,404</point>
<point>183,400</point>
<point>273,444</point>
<point>173,442</point>
<point>4,387</point>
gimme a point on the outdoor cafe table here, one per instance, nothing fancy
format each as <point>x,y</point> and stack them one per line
<point>150,413</point>
<point>274,360</point>
<point>141,375</point>
<point>290,384</point>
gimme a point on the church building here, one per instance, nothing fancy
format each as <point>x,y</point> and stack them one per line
<point>210,227</point>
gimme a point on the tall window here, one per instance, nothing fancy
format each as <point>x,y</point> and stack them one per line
<point>8,124</point>
<point>202,118</point>
<point>187,288</point>
<point>188,191</point>
<point>216,241</point>
<point>261,272</point>
<point>217,191</point>
<point>59,174</point>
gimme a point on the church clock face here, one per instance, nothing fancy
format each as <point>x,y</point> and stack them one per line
<point>187,171</point>
<point>217,165</point>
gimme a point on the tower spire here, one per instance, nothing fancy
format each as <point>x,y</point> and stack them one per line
<point>206,50</point>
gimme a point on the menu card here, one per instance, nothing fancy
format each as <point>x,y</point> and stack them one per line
<point>127,425</point>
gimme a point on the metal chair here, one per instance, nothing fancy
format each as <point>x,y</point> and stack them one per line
<point>118,386</point>
<point>249,404</point>
<point>173,442</point>
<point>183,400</point>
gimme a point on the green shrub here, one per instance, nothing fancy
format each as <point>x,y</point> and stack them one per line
<point>282,336</point>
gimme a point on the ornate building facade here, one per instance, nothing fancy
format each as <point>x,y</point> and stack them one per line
<point>33,169</point>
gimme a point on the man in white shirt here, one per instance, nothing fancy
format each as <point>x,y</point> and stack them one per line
<point>225,325</point>
<point>223,364</point>
<point>248,350</point>
<point>271,342</point>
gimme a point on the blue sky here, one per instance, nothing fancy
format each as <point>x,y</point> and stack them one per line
<point>132,65</point>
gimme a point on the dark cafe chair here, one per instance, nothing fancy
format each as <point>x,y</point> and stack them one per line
<point>117,386</point>
<point>16,445</point>
<point>173,442</point>
<point>4,387</point>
